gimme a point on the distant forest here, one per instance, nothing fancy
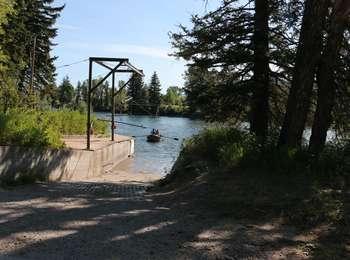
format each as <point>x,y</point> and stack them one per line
<point>138,98</point>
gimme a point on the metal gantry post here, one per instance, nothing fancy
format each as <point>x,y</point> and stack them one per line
<point>89,107</point>
<point>113,106</point>
<point>123,66</point>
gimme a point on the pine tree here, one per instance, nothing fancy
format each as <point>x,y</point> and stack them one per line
<point>326,80</point>
<point>154,97</point>
<point>66,92</point>
<point>136,93</point>
<point>239,42</point>
<point>6,9</point>
<point>307,59</point>
<point>78,94</point>
<point>260,99</point>
<point>29,33</point>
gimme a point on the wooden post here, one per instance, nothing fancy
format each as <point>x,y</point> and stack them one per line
<point>88,123</point>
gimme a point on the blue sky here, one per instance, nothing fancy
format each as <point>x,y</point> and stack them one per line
<point>136,29</point>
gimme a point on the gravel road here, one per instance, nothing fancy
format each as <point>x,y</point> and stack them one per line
<point>118,219</point>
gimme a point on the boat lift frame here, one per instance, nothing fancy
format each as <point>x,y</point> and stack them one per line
<point>114,65</point>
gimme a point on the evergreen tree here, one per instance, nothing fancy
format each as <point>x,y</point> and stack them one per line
<point>326,79</point>
<point>28,41</point>
<point>66,92</point>
<point>6,9</point>
<point>259,59</point>
<point>84,90</point>
<point>78,94</point>
<point>232,41</point>
<point>154,95</point>
<point>136,93</point>
<point>307,59</point>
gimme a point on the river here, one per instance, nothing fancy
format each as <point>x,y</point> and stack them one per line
<point>156,157</point>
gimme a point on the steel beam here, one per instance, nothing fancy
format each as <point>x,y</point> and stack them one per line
<point>103,65</point>
<point>108,59</point>
<point>89,108</point>
<point>112,71</point>
<point>113,106</point>
<point>106,77</point>
<point>122,87</point>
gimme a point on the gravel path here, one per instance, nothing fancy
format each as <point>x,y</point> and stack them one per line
<point>120,220</point>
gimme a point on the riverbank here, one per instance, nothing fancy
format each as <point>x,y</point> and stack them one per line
<point>226,171</point>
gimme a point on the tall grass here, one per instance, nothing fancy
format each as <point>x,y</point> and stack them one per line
<point>43,128</point>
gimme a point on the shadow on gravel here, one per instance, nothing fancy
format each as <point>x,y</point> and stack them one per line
<point>121,221</point>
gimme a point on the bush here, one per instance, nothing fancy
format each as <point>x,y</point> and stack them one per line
<point>231,147</point>
<point>248,178</point>
<point>216,143</point>
<point>43,128</point>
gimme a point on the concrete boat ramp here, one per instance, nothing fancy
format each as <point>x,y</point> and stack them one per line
<point>73,163</point>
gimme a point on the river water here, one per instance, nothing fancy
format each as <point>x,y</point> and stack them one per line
<point>156,157</point>
<point>159,157</point>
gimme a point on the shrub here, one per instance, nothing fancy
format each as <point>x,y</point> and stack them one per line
<point>247,178</point>
<point>216,143</point>
<point>43,128</point>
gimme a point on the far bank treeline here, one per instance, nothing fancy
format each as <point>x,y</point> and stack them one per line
<point>137,98</point>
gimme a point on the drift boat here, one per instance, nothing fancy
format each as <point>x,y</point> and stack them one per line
<point>153,138</point>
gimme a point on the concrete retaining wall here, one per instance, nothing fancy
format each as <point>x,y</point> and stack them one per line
<point>63,164</point>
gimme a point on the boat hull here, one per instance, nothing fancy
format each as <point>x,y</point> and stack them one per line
<point>153,138</point>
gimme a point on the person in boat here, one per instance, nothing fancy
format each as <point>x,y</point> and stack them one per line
<point>157,132</point>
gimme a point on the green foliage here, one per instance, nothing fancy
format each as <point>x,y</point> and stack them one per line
<point>6,8</point>
<point>66,93</point>
<point>174,96</point>
<point>9,96</point>
<point>216,95</point>
<point>33,22</point>
<point>174,103</point>
<point>43,128</point>
<point>173,110</point>
<point>247,179</point>
<point>154,96</point>
<point>81,107</point>
<point>138,94</point>
<point>215,143</point>
<point>26,129</point>
<point>121,105</point>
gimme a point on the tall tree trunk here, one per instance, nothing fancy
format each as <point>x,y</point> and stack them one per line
<point>326,84</point>
<point>307,58</point>
<point>260,98</point>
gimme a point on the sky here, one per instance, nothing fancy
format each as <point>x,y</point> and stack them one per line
<point>134,29</point>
